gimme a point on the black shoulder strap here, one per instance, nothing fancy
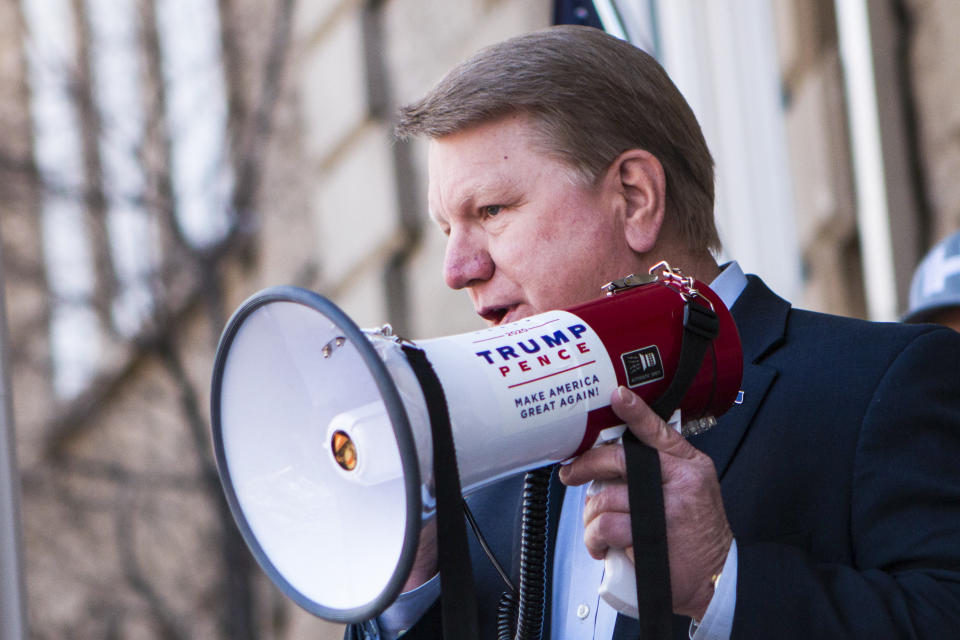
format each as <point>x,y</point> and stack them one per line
<point>458,599</point>
<point>645,485</point>
<point>700,327</point>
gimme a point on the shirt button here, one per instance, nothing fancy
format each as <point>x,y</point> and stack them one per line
<point>583,611</point>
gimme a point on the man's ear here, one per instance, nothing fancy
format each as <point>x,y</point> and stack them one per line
<point>642,183</point>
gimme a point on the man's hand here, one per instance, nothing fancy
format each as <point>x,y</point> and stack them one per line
<point>698,535</point>
<point>425,564</point>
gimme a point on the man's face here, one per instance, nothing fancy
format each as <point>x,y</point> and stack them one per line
<point>526,233</point>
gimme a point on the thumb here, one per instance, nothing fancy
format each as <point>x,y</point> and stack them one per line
<point>647,426</point>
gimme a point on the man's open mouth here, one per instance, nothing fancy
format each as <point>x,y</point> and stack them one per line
<point>494,315</point>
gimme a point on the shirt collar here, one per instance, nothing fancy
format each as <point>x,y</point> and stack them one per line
<point>730,283</point>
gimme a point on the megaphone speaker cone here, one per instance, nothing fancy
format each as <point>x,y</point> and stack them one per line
<point>290,369</point>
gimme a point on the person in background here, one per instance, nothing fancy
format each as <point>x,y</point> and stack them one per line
<point>935,288</point>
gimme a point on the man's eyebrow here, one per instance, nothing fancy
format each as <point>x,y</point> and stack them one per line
<point>476,193</point>
<point>435,217</point>
<point>464,203</point>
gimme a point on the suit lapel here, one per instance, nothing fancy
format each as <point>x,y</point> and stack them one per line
<point>761,318</point>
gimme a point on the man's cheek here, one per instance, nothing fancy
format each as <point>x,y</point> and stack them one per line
<point>513,258</point>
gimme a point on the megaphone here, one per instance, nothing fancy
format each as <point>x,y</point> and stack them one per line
<point>322,437</point>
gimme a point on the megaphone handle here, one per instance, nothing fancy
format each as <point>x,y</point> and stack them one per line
<point>619,585</point>
<point>618,588</point>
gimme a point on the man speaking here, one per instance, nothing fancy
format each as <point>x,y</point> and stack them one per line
<point>825,505</point>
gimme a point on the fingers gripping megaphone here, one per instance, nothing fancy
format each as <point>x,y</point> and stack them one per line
<point>322,436</point>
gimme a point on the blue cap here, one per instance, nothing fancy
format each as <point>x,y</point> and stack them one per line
<point>936,282</point>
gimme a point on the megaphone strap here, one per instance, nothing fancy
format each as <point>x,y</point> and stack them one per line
<point>649,532</point>
<point>700,327</point>
<point>644,483</point>
<point>458,600</point>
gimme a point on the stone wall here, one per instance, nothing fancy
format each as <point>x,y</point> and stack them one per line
<point>934,84</point>
<point>914,52</point>
<point>819,156</point>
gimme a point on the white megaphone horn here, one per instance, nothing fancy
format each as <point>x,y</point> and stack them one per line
<point>322,436</point>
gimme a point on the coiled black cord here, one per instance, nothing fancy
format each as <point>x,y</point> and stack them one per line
<point>506,615</point>
<point>524,611</point>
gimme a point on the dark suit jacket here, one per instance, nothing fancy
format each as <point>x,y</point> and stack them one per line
<point>840,474</point>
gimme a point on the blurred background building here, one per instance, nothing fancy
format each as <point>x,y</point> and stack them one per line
<point>161,160</point>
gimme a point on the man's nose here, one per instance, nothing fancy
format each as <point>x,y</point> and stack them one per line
<point>467,261</point>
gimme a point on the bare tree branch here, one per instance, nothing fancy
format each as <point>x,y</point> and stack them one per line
<point>186,284</point>
<point>167,620</point>
<point>105,278</point>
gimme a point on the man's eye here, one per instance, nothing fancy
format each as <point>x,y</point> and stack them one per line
<point>492,210</point>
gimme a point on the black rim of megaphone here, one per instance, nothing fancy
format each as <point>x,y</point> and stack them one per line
<point>401,426</point>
